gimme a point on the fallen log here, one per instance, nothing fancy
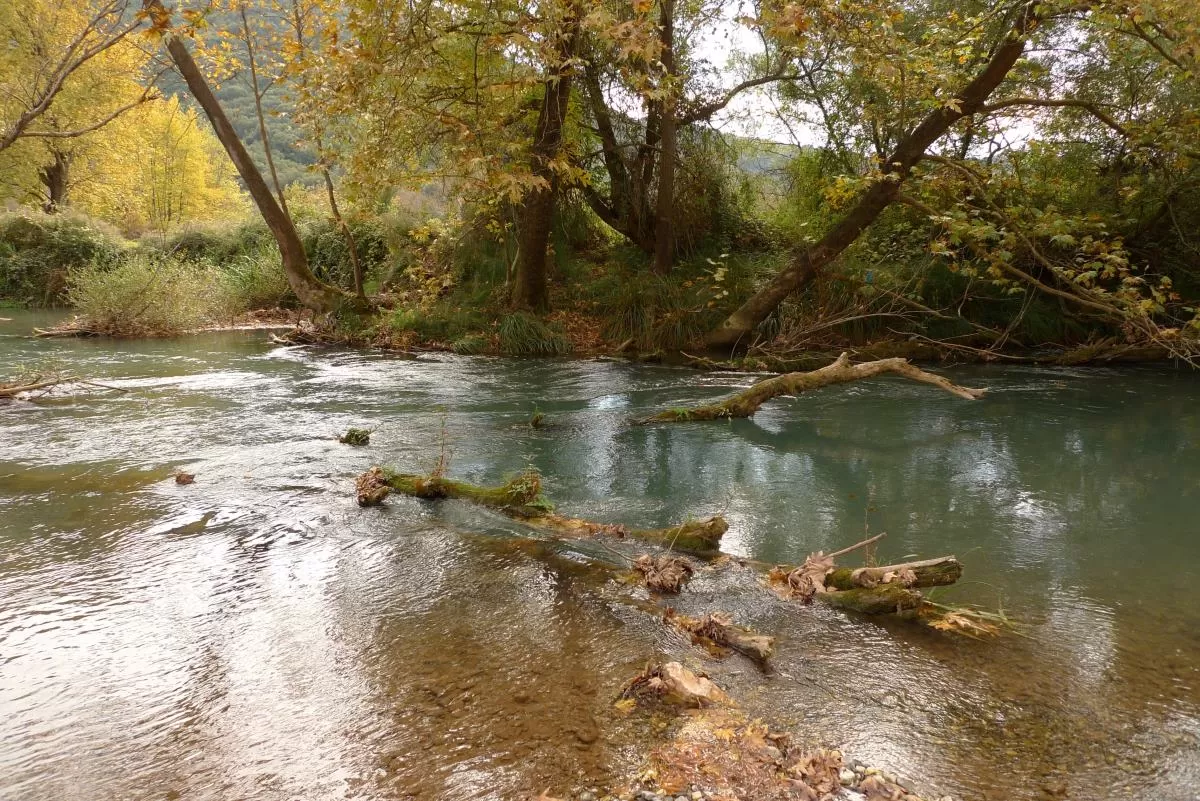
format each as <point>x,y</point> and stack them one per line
<point>882,600</point>
<point>938,572</point>
<point>717,632</point>
<point>521,499</point>
<point>748,401</point>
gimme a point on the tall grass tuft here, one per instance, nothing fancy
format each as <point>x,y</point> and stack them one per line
<point>523,334</point>
<point>145,295</point>
<point>256,281</point>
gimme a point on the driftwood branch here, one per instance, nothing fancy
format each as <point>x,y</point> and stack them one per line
<point>748,401</point>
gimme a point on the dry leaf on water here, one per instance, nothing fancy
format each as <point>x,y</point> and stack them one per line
<point>804,582</point>
<point>663,574</point>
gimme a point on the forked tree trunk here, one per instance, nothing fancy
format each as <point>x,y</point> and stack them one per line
<point>736,330</point>
<point>56,178</point>
<point>313,293</point>
<point>530,288</point>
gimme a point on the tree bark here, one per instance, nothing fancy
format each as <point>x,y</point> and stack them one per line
<point>312,292</point>
<point>748,401</point>
<point>664,216</point>
<point>530,285</point>
<point>56,178</point>
<point>735,331</point>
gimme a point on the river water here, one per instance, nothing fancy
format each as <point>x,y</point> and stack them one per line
<point>256,635</point>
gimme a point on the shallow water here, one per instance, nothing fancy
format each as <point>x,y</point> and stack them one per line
<point>256,635</point>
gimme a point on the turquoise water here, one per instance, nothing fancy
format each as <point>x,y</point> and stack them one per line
<point>257,635</point>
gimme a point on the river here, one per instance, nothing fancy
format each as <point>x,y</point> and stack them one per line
<point>256,635</point>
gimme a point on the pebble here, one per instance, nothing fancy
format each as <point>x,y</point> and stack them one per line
<point>846,777</point>
<point>589,796</point>
<point>774,753</point>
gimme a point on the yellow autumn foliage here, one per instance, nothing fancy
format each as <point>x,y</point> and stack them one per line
<point>155,168</point>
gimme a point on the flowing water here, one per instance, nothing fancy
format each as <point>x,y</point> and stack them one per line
<point>256,635</point>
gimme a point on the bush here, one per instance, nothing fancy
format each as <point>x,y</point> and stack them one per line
<point>329,254</point>
<point>523,334</point>
<point>218,244</point>
<point>256,282</point>
<point>147,295</point>
<point>37,250</point>
<point>437,324</point>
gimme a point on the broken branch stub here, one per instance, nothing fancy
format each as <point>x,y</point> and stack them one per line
<point>748,401</point>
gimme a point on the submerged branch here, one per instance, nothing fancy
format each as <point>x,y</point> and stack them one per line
<point>748,401</point>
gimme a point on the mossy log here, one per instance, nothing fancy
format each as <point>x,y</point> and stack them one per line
<point>928,573</point>
<point>882,600</point>
<point>748,401</point>
<point>521,499</point>
<point>521,491</point>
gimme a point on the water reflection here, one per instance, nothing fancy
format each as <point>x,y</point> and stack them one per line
<point>256,635</point>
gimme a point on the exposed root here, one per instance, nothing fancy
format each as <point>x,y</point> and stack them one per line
<point>717,632</point>
<point>748,401</point>
<point>663,574</point>
<point>675,684</point>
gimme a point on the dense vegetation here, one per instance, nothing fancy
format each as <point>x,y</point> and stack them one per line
<point>535,178</point>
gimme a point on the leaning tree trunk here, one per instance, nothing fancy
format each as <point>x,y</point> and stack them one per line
<point>735,331</point>
<point>664,226</point>
<point>530,286</point>
<point>312,292</point>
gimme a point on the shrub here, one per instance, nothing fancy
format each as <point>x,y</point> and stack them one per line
<point>147,295</point>
<point>439,323</point>
<point>523,334</point>
<point>218,244</point>
<point>37,250</point>
<point>256,282</point>
<point>470,344</point>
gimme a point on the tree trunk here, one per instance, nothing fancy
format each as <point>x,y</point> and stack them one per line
<point>735,331</point>
<point>313,293</point>
<point>258,110</point>
<point>56,178</point>
<point>664,216</point>
<point>530,286</point>
<point>355,264</point>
